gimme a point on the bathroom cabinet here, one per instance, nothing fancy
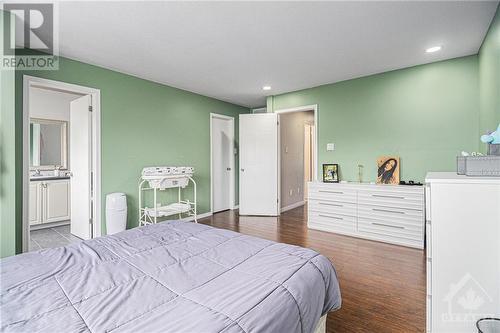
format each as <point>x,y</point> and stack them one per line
<point>49,201</point>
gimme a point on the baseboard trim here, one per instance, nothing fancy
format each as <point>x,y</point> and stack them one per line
<point>292,206</point>
<point>49,225</point>
<point>199,216</point>
<point>235,207</point>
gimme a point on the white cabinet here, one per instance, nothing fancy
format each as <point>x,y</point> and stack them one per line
<point>392,214</point>
<point>49,201</point>
<point>57,201</point>
<point>463,251</point>
<point>35,204</point>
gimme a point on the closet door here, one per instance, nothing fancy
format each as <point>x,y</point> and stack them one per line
<point>259,164</point>
<point>222,163</point>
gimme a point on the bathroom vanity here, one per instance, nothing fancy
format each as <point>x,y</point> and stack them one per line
<point>49,200</point>
<point>50,185</point>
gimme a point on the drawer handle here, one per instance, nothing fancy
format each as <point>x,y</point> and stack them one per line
<point>388,225</point>
<point>388,211</point>
<point>330,204</point>
<point>332,217</point>
<point>336,192</point>
<point>387,196</point>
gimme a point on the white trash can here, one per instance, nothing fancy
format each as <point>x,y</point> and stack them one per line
<point>116,213</point>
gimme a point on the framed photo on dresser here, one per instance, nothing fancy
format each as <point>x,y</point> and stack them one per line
<point>330,173</point>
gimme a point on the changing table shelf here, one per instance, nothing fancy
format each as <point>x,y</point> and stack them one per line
<point>168,210</point>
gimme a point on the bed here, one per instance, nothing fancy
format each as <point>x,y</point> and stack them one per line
<point>169,277</point>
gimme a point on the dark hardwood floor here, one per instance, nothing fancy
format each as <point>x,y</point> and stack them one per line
<point>382,285</point>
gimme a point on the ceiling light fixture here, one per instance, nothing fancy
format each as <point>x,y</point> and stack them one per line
<point>433,49</point>
<point>266,88</point>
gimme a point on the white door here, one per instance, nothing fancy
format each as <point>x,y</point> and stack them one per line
<point>259,164</point>
<point>80,165</point>
<point>222,150</point>
<point>308,156</point>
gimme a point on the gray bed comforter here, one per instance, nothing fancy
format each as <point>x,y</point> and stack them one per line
<point>170,277</point>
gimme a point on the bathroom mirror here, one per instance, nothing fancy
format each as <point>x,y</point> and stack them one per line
<point>48,144</point>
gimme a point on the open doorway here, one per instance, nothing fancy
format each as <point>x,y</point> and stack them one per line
<point>297,155</point>
<point>221,162</point>
<point>61,157</point>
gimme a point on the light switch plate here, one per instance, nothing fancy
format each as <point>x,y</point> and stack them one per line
<point>330,146</point>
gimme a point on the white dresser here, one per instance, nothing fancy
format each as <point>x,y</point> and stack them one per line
<point>463,251</point>
<point>387,213</point>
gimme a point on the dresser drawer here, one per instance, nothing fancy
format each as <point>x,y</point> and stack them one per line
<point>335,207</point>
<point>390,228</point>
<point>331,221</point>
<point>399,216</point>
<point>386,198</point>
<point>332,193</point>
<point>387,238</point>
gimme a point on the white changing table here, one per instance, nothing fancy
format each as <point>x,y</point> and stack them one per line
<point>149,215</point>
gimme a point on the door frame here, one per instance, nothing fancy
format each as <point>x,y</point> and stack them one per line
<point>33,81</point>
<point>232,181</point>
<point>314,109</point>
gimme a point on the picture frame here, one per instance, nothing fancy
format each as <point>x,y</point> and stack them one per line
<point>330,173</point>
<point>388,169</point>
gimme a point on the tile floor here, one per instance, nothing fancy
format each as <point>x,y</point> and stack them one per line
<point>51,237</point>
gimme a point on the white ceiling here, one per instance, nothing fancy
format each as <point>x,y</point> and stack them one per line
<point>229,50</point>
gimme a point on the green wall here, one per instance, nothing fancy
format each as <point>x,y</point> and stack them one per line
<point>142,124</point>
<point>7,158</point>
<point>489,79</point>
<point>425,114</point>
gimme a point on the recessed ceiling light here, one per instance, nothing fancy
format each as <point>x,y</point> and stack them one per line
<point>433,49</point>
<point>266,88</point>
